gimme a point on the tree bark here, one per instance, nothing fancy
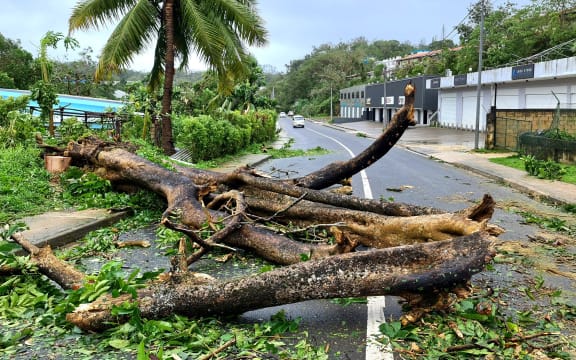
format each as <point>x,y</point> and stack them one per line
<point>57,270</point>
<point>420,269</point>
<point>167,136</point>
<point>412,249</point>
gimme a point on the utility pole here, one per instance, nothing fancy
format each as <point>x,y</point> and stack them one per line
<point>384,99</point>
<point>331,102</point>
<point>479,86</point>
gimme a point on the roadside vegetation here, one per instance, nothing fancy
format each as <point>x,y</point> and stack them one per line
<point>33,310</point>
<point>544,169</point>
<point>499,320</point>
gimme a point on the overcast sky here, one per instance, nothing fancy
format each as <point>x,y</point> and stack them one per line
<point>295,27</point>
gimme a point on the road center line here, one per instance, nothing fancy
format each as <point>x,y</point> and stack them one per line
<point>365,183</point>
<point>376,304</point>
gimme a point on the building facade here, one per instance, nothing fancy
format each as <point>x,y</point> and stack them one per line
<point>352,102</point>
<point>379,102</point>
<point>529,87</point>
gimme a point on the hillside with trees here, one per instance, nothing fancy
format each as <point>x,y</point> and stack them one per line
<point>511,33</point>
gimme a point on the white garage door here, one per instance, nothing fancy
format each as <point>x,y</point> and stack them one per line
<point>469,111</point>
<point>447,113</point>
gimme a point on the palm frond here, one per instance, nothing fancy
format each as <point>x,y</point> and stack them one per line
<point>134,32</point>
<point>242,17</point>
<point>97,13</point>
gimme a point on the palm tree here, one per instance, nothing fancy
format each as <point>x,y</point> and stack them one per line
<point>217,31</point>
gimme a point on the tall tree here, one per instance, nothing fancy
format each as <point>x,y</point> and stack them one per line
<point>217,31</point>
<point>16,63</point>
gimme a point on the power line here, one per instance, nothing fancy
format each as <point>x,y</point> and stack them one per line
<point>455,27</point>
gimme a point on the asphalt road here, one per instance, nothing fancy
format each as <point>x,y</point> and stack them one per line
<point>401,176</point>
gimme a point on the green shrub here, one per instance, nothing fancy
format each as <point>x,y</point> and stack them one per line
<point>558,134</point>
<point>72,129</point>
<point>531,164</point>
<point>194,135</point>
<point>551,170</point>
<point>16,126</point>
<point>138,127</point>
<point>263,126</point>
<point>207,137</point>
<point>545,169</point>
<point>24,183</point>
<point>12,104</point>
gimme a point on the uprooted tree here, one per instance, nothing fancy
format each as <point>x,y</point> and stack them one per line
<point>414,252</point>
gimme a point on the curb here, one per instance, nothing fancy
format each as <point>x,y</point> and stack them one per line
<point>47,229</point>
<point>535,194</point>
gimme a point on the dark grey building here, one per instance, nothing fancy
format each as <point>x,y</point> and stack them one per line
<point>380,105</point>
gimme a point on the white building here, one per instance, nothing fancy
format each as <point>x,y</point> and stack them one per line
<point>524,87</point>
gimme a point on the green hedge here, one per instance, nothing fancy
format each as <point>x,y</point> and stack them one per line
<point>207,137</point>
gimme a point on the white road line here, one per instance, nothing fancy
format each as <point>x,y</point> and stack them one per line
<point>365,183</point>
<point>376,304</point>
<point>374,349</point>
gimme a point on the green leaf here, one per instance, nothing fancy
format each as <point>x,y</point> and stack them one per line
<point>119,343</point>
<point>6,246</point>
<point>514,328</point>
<point>142,355</point>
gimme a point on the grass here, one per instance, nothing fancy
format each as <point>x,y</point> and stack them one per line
<point>24,184</point>
<point>286,153</point>
<point>516,162</point>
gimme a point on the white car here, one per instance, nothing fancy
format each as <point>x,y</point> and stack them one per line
<point>282,114</point>
<point>298,121</point>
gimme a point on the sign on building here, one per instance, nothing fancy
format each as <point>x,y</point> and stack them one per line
<point>461,79</point>
<point>523,72</point>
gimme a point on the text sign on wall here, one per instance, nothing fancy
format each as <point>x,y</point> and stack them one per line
<point>389,100</point>
<point>523,72</point>
<point>460,79</point>
<point>435,83</point>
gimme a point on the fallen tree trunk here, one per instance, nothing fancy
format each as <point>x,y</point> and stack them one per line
<point>423,269</point>
<point>59,271</point>
<point>337,171</point>
<point>413,249</point>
